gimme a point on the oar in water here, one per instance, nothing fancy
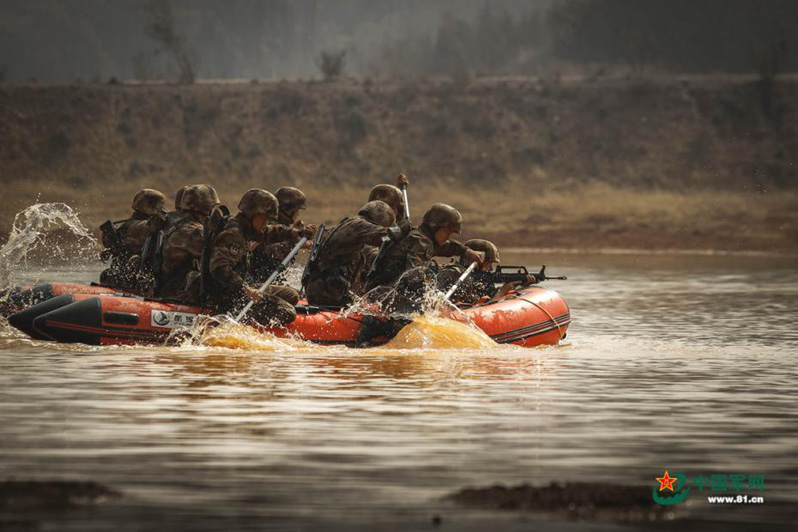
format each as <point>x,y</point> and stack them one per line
<point>460,280</point>
<point>277,271</point>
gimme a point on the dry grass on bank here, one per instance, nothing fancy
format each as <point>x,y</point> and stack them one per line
<point>519,214</point>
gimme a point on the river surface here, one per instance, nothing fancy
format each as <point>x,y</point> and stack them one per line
<point>672,362</point>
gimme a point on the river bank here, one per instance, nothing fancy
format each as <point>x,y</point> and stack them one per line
<point>686,164</point>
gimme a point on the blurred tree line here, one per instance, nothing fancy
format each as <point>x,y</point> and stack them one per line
<point>686,36</point>
<point>68,40</point>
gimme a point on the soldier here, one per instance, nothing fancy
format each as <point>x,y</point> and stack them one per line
<point>124,240</point>
<point>182,240</point>
<point>430,239</point>
<point>229,291</point>
<point>482,283</point>
<point>334,278</point>
<point>392,195</point>
<point>265,258</point>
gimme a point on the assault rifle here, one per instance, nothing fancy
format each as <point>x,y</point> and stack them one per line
<point>116,245</point>
<point>386,243</point>
<point>511,274</point>
<point>212,226</point>
<point>314,256</point>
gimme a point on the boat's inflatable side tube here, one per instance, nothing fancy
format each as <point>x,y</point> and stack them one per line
<point>23,320</point>
<point>78,322</point>
<point>22,297</point>
<point>110,319</point>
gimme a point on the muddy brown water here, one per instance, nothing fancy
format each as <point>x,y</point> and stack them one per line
<point>672,362</point>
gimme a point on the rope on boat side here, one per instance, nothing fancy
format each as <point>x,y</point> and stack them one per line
<point>559,328</point>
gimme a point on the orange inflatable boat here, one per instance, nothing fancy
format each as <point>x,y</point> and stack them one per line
<point>528,317</point>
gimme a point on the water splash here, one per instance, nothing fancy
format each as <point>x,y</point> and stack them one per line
<point>232,335</point>
<point>30,231</point>
<point>221,331</point>
<point>430,332</point>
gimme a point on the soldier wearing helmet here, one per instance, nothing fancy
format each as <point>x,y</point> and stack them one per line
<point>392,195</point>
<point>230,287</point>
<point>334,278</point>
<point>291,201</point>
<point>430,239</point>
<point>182,239</point>
<point>172,217</point>
<point>265,258</point>
<point>125,239</point>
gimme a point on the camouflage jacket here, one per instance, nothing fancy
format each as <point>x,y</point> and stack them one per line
<point>133,233</point>
<point>416,249</point>
<point>230,253</point>
<point>266,257</point>
<point>345,248</point>
<point>182,251</point>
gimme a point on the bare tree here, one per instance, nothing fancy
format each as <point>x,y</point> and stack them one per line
<point>162,29</point>
<point>769,57</point>
<point>331,64</point>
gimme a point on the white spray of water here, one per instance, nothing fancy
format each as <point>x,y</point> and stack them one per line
<point>28,233</point>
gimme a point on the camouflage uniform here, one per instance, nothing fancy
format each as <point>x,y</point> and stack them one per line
<point>133,233</point>
<point>416,249</point>
<point>266,258</point>
<point>182,241</point>
<point>182,250</point>
<point>335,277</point>
<point>228,269</point>
<point>342,257</point>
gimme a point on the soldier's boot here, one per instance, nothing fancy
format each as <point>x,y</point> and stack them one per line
<point>286,293</point>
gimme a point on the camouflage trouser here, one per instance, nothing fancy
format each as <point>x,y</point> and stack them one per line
<point>329,291</point>
<point>275,309</point>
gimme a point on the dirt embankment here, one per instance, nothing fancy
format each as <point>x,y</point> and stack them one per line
<point>688,164</point>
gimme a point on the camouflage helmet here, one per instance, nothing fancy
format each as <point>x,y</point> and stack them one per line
<point>291,199</point>
<point>257,201</point>
<point>441,216</point>
<point>378,212</point>
<point>179,197</point>
<point>199,199</point>
<point>389,194</point>
<point>148,201</point>
<point>488,248</point>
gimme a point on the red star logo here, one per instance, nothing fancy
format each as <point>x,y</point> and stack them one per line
<point>666,482</point>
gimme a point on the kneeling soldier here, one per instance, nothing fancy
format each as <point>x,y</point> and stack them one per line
<point>430,239</point>
<point>229,291</point>
<point>125,240</point>
<point>182,240</point>
<point>334,278</point>
<point>265,258</point>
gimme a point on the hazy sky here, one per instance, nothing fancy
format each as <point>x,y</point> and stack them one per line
<point>65,40</point>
